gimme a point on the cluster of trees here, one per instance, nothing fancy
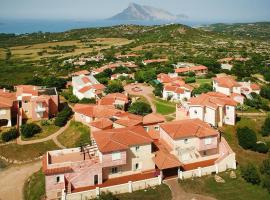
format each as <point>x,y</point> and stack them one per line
<point>247,139</point>
<point>63,116</point>
<point>114,86</point>
<point>266,127</point>
<point>204,88</point>
<point>29,130</point>
<point>140,108</point>
<point>11,134</point>
<point>51,81</point>
<point>158,89</point>
<point>257,102</point>
<point>265,91</point>
<point>252,175</point>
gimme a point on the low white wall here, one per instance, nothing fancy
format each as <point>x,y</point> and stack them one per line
<point>115,189</point>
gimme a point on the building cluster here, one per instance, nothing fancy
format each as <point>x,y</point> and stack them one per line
<point>27,102</point>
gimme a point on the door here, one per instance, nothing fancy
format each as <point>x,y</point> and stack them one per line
<point>96,179</point>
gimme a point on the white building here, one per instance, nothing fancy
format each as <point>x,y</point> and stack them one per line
<point>214,108</point>
<point>177,93</point>
<point>86,86</point>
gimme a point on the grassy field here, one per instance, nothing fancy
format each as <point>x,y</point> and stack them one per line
<point>232,189</point>
<point>75,135</point>
<point>161,192</point>
<point>34,187</point>
<point>46,131</point>
<point>46,50</point>
<point>202,81</point>
<point>26,152</point>
<point>244,156</point>
<point>164,107</point>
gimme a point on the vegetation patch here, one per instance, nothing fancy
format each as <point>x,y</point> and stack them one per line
<point>75,135</point>
<point>34,187</point>
<point>26,152</point>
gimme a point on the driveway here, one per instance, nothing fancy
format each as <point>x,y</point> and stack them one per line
<point>142,90</point>
<point>179,194</point>
<point>13,178</point>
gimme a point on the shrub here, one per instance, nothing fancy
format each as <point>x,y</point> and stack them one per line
<point>88,101</point>
<point>265,92</point>
<point>29,130</point>
<point>140,108</point>
<point>266,127</point>
<point>250,174</point>
<point>114,87</point>
<point>63,116</point>
<point>265,167</point>
<point>261,148</point>
<point>246,137</point>
<point>106,196</point>
<point>190,80</point>
<point>10,135</point>
<point>46,122</point>
<point>266,182</point>
<point>204,88</point>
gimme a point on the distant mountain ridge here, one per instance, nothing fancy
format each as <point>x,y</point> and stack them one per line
<point>148,13</point>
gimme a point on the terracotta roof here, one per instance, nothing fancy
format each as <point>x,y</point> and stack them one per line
<point>85,89</point>
<point>121,139</point>
<point>102,123</point>
<point>226,81</point>
<point>26,89</point>
<point>212,100</point>
<point>86,80</point>
<point>97,111</point>
<point>155,61</point>
<point>128,122</point>
<point>82,72</point>
<point>98,86</point>
<point>255,86</point>
<point>111,98</point>
<point>174,89</point>
<point>188,128</point>
<point>7,99</point>
<point>153,118</point>
<point>54,171</point>
<point>195,165</point>
<point>190,69</point>
<point>165,160</point>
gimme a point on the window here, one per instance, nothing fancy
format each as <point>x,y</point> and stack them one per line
<point>137,148</point>
<point>116,156</point>
<point>207,141</point>
<point>228,108</point>
<point>195,111</point>
<point>186,141</point>
<point>137,166</point>
<point>25,101</point>
<point>156,128</point>
<point>114,170</point>
<point>146,128</point>
<point>57,179</point>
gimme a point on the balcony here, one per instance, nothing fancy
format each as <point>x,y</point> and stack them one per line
<point>40,109</point>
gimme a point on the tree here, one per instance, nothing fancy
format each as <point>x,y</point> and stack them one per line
<point>246,137</point>
<point>190,80</point>
<point>114,87</point>
<point>265,92</point>
<point>204,88</point>
<point>9,135</point>
<point>88,101</point>
<point>29,130</point>
<point>250,174</point>
<point>140,108</point>
<point>266,127</point>
<point>63,116</point>
<point>158,89</point>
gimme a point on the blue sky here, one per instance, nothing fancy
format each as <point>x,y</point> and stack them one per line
<point>200,10</point>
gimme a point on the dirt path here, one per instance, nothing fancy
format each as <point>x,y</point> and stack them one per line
<point>13,178</point>
<point>179,194</point>
<point>50,137</point>
<point>146,92</point>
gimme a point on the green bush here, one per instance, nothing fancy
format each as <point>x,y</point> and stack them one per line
<point>114,87</point>
<point>63,116</point>
<point>190,80</point>
<point>10,135</point>
<point>265,167</point>
<point>246,137</point>
<point>29,130</point>
<point>261,148</point>
<point>266,127</point>
<point>140,108</point>
<point>266,182</point>
<point>88,101</point>
<point>250,174</point>
<point>106,196</point>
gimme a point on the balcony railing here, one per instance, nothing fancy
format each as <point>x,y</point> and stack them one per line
<point>40,109</point>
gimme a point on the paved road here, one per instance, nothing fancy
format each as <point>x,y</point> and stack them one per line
<point>179,194</point>
<point>12,180</point>
<point>146,92</point>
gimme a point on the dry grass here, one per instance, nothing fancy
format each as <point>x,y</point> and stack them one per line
<point>30,52</point>
<point>2,54</point>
